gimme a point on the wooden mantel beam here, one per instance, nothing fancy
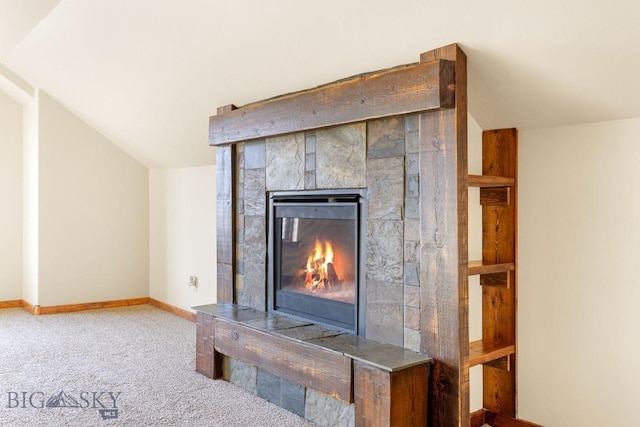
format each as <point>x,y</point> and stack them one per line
<point>426,86</point>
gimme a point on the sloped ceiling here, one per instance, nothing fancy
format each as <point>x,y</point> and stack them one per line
<point>149,73</point>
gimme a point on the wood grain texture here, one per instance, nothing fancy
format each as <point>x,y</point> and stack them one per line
<point>69,308</point>
<point>498,420</point>
<point>487,181</point>
<point>499,232</point>
<point>185,314</point>
<point>204,344</point>
<point>495,196</point>
<point>496,279</point>
<point>477,418</point>
<point>390,398</point>
<point>443,256</point>
<point>11,304</point>
<point>492,274</point>
<point>401,90</point>
<point>480,352</point>
<point>33,309</point>
<point>481,267</point>
<point>226,165</point>
<point>323,370</point>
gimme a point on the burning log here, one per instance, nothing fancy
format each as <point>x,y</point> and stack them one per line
<point>321,274</point>
<point>332,276</point>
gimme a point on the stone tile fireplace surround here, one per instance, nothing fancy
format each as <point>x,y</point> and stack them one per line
<point>380,156</point>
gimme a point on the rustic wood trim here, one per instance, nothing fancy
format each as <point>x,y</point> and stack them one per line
<point>488,181</point>
<point>481,352</point>
<point>497,420</point>
<point>495,196</point>
<point>496,279</point>
<point>481,267</point>
<point>477,418</point>
<point>205,339</point>
<point>321,369</point>
<point>499,234</point>
<point>482,416</point>
<point>70,308</point>
<point>33,309</point>
<point>444,250</point>
<point>11,304</point>
<point>225,224</point>
<point>385,398</point>
<point>503,363</point>
<point>425,86</point>
<point>185,314</point>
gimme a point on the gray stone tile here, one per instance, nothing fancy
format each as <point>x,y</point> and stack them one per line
<point>385,188</point>
<point>412,296</point>
<point>413,164</point>
<point>385,255</point>
<point>310,142</point>
<point>240,236</point>
<point>255,239</point>
<point>325,411</point>
<point>413,187</point>
<point>240,374</point>
<point>269,387</point>
<point>411,122</point>
<point>340,157</point>
<point>412,229</point>
<point>310,180</point>
<point>412,274</point>
<point>385,137</point>
<point>412,339</point>
<point>412,318</point>
<point>254,155</point>
<point>411,251</point>
<point>285,162</point>
<point>255,193</point>
<point>254,293</point>
<point>412,208</point>
<point>293,398</point>
<point>310,164</point>
<point>385,312</point>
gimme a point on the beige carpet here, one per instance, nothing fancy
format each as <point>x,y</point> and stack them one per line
<point>130,366</point>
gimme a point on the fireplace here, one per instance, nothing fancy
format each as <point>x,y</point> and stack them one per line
<point>314,260</point>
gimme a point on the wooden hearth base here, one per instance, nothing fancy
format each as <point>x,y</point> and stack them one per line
<point>387,384</point>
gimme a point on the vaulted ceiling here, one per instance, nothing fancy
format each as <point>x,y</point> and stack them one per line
<point>149,73</point>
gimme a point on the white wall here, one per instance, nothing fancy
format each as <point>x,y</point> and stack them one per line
<point>183,235</point>
<point>30,209</point>
<point>93,214</point>
<point>579,280</point>
<point>474,138</point>
<point>10,199</point>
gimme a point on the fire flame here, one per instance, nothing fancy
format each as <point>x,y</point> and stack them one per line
<point>321,272</point>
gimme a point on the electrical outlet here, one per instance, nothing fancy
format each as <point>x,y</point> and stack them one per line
<point>193,281</point>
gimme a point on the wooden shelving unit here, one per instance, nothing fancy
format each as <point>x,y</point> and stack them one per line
<point>496,351</point>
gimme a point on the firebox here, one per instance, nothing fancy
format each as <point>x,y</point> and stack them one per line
<point>315,264</point>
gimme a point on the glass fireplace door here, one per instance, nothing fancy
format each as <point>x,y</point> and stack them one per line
<point>315,261</point>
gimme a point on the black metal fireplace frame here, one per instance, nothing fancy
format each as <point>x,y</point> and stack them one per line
<point>320,198</point>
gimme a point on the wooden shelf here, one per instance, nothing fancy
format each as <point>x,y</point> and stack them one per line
<point>484,267</point>
<point>481,352</point>
<point>487,181</point>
